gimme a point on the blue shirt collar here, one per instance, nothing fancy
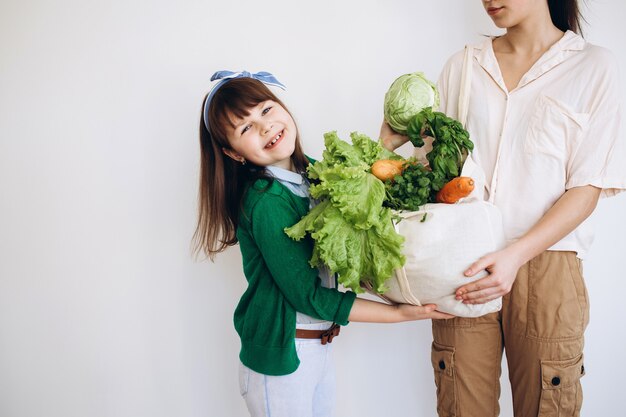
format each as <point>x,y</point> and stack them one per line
<point>286,175</point>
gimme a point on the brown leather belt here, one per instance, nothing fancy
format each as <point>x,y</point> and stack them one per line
<point>326,336</point>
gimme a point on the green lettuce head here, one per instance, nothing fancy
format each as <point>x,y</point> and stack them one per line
<point>407,96</point>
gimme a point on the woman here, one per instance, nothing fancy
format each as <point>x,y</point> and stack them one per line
<point>545,116</point>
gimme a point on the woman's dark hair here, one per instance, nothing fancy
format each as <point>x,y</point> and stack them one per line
<point>223,181</point>
<point>566,15</point>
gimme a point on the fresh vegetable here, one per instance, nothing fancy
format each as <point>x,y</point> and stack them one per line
<point>353,233</point>
<point>352,226</point>
<point>387,169</point>
<point>451,144</point>
<point>455,189</point>
<point>407,96</point>
<point>362,153</point>
<point>411,189</point>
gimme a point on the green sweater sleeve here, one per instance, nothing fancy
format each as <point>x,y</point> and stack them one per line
<point>288,260</point>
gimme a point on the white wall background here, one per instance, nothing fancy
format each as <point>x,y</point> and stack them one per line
<point>103,313</point>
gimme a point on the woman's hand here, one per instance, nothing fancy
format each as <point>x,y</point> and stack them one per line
<point>570,210</point>
<point>502,267</point>
<point>390,139</point>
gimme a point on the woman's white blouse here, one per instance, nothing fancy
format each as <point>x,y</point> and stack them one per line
<point>559,128</point>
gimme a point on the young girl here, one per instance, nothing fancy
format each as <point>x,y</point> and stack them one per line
<point>545,116</point>
<point>252,186</point>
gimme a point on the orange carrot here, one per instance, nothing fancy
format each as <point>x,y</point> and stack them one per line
<point>386,169</point>
<point>455,189</point>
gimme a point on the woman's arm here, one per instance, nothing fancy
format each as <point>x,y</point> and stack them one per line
<point>574,206</point>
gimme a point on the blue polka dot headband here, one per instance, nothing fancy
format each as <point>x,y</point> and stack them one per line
<point>224,76</point>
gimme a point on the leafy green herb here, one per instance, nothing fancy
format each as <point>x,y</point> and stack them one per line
<point>410,190</point>
<point>451,144</point>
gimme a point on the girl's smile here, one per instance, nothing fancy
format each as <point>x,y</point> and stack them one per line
<point>275,140</point>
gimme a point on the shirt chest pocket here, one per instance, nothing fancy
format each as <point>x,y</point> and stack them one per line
<point>554,129</point>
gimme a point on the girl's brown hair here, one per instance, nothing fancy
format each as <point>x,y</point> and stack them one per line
<point>566,15</point>
<point>223,181</point>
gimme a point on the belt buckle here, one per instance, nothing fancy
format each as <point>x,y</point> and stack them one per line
<point>329,335</point>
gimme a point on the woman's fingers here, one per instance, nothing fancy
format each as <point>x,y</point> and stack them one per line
<point>478,285</point>
<point>482,296</point>
<point>502,269</point>
<point>391,139</point>
<point>483,290</point>
<point>483,263</point>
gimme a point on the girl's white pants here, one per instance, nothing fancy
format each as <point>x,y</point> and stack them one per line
<point>307,392</point>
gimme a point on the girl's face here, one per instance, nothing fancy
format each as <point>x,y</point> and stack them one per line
<point>266,136</point>
<point>509,13</point>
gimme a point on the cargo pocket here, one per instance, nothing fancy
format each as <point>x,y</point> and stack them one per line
<point>442,358</point>
<point>561,393</point>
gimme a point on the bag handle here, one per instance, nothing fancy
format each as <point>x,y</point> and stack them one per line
<point>470,168</point>
<point>466,84</point>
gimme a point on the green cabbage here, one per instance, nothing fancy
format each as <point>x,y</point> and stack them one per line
<point>407,96</point>
<point>352,232</point>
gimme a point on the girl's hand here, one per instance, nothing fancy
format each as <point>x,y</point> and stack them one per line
<point>427,311</point>
<point>370,311</point>
<point>390,139</point>
<point>502,267</point>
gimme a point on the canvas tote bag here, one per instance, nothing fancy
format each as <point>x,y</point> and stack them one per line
<point>443,240</point>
